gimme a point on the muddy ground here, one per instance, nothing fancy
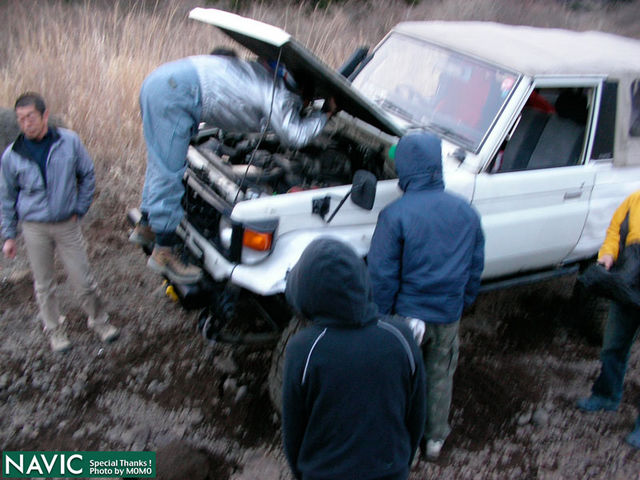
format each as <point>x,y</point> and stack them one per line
<point>205,408</point>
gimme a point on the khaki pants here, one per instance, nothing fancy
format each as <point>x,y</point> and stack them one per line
<point>440,350</point>
<point>42,241</point>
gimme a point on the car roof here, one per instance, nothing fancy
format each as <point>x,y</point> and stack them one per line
<point>531,50</point>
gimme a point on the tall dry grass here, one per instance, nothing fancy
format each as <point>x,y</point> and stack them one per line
<point>89,59</point>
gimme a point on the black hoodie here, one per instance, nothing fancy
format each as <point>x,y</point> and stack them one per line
<point>354,384</point>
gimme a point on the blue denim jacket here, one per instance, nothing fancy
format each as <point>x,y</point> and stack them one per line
<point>24,195</point>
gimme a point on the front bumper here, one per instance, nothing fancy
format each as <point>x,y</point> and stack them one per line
<point>211,259</point>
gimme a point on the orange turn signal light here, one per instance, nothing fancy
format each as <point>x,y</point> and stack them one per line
<point>260,241</point>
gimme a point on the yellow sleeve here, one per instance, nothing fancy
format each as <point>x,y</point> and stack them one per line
<point>611,244</point>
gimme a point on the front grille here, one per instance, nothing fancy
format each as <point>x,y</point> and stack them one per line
<point>203,210</point>
<point>202,216</point>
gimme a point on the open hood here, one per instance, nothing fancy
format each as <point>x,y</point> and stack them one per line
<point>269,41</point>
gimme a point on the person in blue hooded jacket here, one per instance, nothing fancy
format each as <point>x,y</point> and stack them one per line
<point>353,387</point>
<point>425,261</point>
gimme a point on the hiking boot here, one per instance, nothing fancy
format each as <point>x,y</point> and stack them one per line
<point>58,339</point>
<point>142,235</point>
<point>594,403</point>
<point>434,447</point>
<point>165,262</point>
<point>633,438</point>
<point>104,330</point>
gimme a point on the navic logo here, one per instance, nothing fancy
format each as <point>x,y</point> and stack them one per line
<point>78,464</point>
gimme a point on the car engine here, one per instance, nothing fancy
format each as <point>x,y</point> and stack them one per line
<point>260,166</point>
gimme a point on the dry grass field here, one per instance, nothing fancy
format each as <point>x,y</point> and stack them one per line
<point>160,387</point>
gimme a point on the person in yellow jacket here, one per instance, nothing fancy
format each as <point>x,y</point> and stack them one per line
<point>630,209</point>
<point>624,320</point>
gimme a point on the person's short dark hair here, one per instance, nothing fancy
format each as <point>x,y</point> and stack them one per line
<point>31,98</point>
<point>224,52</point>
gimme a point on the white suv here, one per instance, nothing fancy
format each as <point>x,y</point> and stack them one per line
<point>540,132</point>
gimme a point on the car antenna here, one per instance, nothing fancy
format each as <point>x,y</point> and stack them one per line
<point>264,130</point>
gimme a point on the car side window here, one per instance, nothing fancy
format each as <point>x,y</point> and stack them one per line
<point>549,133</point>
<point>634,129</point>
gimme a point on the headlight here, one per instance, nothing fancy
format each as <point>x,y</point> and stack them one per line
<point>225,231</point>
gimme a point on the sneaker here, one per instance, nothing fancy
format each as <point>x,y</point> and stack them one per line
<point>142,235</point>
<point>58,340</point>
<point>633,438</point>
<point>434,447</point>
<point>165,262</point>
<point>106,331</point>
<point>595,403</point>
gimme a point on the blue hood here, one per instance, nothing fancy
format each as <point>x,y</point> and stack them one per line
<point>330,285</point>
<point>419,162</point>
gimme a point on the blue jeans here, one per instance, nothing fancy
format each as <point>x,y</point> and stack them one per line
<point>621,330</point>
<point>171,107</point>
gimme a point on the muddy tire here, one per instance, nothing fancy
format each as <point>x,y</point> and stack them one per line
<point>276,372</point>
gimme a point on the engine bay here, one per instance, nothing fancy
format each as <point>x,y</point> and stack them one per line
<point>256,165</point>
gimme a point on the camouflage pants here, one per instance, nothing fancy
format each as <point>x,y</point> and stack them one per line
<point>440,353</point>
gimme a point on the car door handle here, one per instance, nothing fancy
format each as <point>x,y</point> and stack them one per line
<point>570,195</point>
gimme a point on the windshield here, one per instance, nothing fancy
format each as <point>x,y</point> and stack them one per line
<point>428,86</point>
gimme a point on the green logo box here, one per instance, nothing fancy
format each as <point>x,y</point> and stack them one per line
<point>78,464</point>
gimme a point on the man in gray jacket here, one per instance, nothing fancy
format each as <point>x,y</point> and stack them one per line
<point>225,92</point>
<point>47,184</point>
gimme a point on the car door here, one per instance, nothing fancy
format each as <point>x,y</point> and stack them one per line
<point>534,195</point>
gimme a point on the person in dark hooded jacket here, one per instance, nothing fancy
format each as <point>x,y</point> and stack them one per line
<point>425,261</point>
<point>354,385</point>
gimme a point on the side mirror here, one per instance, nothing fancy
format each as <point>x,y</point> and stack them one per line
<point>363,191</point>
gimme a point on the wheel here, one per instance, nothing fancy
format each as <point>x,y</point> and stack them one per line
<point>216,329</point>
<point>276,372</point>
<point>238,317</point>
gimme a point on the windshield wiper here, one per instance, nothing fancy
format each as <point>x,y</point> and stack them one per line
<point>396,109</point>
<point>448,132</point>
